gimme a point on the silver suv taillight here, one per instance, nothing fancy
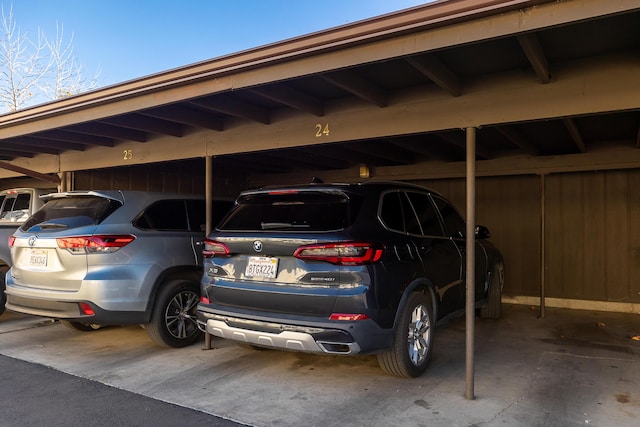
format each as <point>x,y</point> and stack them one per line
<point>99,244</point>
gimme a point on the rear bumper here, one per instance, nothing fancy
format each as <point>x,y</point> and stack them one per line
<point>70,310</point>
<point>320,336</point>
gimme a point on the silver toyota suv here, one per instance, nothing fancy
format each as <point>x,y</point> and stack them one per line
<point>92,258</point>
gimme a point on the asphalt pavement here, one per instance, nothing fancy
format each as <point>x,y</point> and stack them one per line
<point>572,368</point>
<point>36,395</point>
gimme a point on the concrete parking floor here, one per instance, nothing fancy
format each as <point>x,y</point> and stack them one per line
<point>570,368</point>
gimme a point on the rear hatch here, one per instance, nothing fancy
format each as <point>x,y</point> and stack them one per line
<point>49,251</point>
<point>285,252</point>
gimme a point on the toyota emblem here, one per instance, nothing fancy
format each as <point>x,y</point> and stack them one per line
<point>32,240</point>
<point>257,246</point>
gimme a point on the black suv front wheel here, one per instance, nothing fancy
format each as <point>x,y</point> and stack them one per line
<point>410,353</point>
<point>173,320</point>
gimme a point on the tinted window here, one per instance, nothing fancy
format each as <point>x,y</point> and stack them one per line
<point>397,214</point>
<point>453,222</point>
<point>391,212</point>
<point>164,215</point>
<point>16,208</point>
<point>197,214</point>
<point>304,211</point>
<point>70,212</point>
<point>426,213</point>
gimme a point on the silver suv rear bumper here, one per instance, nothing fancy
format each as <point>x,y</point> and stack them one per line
<point>287,339</point>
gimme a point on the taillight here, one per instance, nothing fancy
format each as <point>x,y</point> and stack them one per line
<point>213,248</point>
<point>12,241</point>
<point>350,253</point>
<point>348,317</point>
<point>86,309</point>
<point>99,244</point>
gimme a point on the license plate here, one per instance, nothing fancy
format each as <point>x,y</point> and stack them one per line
<point>262,267</point>
<point>38,257</point>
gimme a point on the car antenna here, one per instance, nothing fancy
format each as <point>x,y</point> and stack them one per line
<point>316,180</point>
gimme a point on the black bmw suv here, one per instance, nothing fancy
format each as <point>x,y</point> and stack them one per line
<point>343,269</point>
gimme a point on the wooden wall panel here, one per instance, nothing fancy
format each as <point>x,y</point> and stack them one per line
<point>592,249</point>
<point>510,208</point>
<point>183,177</point>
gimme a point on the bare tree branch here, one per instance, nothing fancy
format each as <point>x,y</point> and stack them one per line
<point>33,72</point>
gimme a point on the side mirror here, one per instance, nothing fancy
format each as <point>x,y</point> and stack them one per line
<point>482,232</point>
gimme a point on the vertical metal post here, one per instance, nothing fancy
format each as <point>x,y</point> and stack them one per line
<point>208,186</point>
<point>543,232</point>
<point>208,189</point>
<point>470,251</point>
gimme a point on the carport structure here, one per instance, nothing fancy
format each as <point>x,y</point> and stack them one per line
<point>541,97</point>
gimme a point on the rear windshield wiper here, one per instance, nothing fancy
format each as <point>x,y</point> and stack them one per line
<point>275,225</point>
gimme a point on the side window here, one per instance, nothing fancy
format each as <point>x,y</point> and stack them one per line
<point>391,213</point>
<point>453,222</point>
<point>164,215</point>
<point>426,213</point>
<point>197,215</point>
<point>16,208</point>
<point>397,214</point>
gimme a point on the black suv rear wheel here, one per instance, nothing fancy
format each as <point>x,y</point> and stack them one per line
<point>173,320</point>
<point>411,351</point>
<point>493,307</point>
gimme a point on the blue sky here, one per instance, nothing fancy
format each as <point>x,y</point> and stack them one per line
<point>127,39</point>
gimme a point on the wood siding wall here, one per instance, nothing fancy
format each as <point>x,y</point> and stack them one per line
<point>592,241</point>
<point>182,177</point>
<point>592,222</point>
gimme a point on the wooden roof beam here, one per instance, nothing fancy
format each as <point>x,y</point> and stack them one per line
<point>357,86</point>
<point>518,139</point>
<point>109,131</point>
<point>291,97</point>
<point>145,124</point>
<point>459,140</point>
<point>74,137</point>
<point>185,115</point>
<point>42,177</point>
<point>234,107</point>
<point>437,72</point>
<point>575,134</point>
<point>535,54</point>
<point>383,151</point>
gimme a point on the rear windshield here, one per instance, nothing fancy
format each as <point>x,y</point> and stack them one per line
<point>297,211</point>
<point>70,212</point>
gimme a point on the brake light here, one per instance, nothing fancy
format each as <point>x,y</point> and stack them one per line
<point>213,248</point>
<point>12,241</point>
<point>86,309</point>
<point>348,316</point>
<point>99,244</point>
<point>352,253</point>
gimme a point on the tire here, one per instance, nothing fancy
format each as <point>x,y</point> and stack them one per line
<point>493,308</point>
<point>173,319</point>
<point>79,326</point>
<point>410,353</point>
